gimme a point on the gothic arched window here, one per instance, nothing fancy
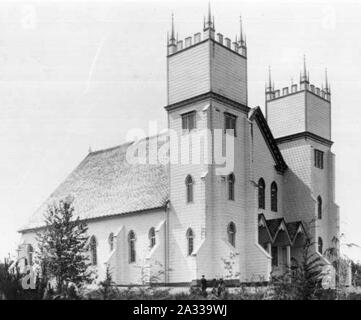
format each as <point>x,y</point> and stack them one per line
<point>189,187</point>
<point>231,231</point>
<point>261,194</point>
<point>319,207</point>
<point>190,241</point>
<point>111,241</point>
<point>274,196</point>
<point>131,242</point>
<point>151,237</point>
<point>320,245</point>
<point>231,186</point>
<point>93,251</point>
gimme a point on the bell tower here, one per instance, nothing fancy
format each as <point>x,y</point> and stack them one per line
<point>206,90</point>
<point>210,63</point>
<point>300,119</point>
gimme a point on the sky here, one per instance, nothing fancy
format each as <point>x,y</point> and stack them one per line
<point>78,75</point>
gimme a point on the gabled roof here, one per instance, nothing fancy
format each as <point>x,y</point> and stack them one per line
<point>256,114</point>
<point>264,234</point>
<point>294,228</point>
<point>274,226</point>
<point>105,184</point>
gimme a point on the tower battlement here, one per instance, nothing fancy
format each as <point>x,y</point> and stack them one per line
<point>304,85</point>
<point>206,62</point>
<point>238,45</point>
<point>299,108</point>
<point>180,45</point>
<point>295,88</point>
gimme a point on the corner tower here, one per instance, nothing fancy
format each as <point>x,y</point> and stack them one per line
<point>299,109</point>
<point>300,119</point>
<point>207,91</point>
<point>207,62</point>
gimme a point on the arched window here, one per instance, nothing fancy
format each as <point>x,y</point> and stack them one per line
<point>231,231</point>
<point>231,186</point>
<point>190,240</point>
<point>30,254</point>
<point>319,207</point>
<point>151,237</point>
<point>93,251</point>
<point>131,241</point>
<point>274,196</point>
<point>111,241</point>
<point>320,245</point>
<point>261,194</point>
<point>189,186</point>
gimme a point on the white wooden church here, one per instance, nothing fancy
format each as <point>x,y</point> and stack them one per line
<point>178,221</point>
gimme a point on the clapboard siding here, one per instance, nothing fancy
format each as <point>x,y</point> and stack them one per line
<point>286,115</point>
<point>318,116</point>
<point>189,73</point>
<point>229,74</point>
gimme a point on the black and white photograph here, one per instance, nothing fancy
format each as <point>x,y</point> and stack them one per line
<point>201,151</point>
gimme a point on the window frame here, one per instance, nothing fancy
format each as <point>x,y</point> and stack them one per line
<point>318,159</point>
<point>231,233</point>
<point>231,180</point>
<point>189,181</point>
<point>319,207</point>
<point>152,238</point>
<point>261,197</point>
<point>274,196</point>
<point>320,245</point>
<point>232,117</point>
<point>190,241</point>
<point>131,247</point>
<point>111,241</point>
<point>185,118</point>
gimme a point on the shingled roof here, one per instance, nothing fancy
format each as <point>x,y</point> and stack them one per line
<point>268,229</point>
<point>105,184</point>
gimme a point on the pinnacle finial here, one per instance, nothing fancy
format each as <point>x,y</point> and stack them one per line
<point>304,65</point>
<point>172,32</point>
<point>241,28</point>
<point>269,82</point>
<point>305,76</point>
<point>326,80</point>
<point>209,12</point>
<point>209,23</point>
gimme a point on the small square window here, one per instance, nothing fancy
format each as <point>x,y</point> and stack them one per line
<point>189,121</point>
<point>318,159</point>
<point>230,123</point>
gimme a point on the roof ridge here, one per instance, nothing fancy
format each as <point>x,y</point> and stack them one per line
<point>128,143</point>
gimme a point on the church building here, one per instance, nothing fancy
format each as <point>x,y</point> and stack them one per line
<point>172,222</point>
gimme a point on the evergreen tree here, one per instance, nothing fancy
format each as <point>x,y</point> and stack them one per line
<point>108,289</point>
<point>301,282</point>
<point>62,253</point>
